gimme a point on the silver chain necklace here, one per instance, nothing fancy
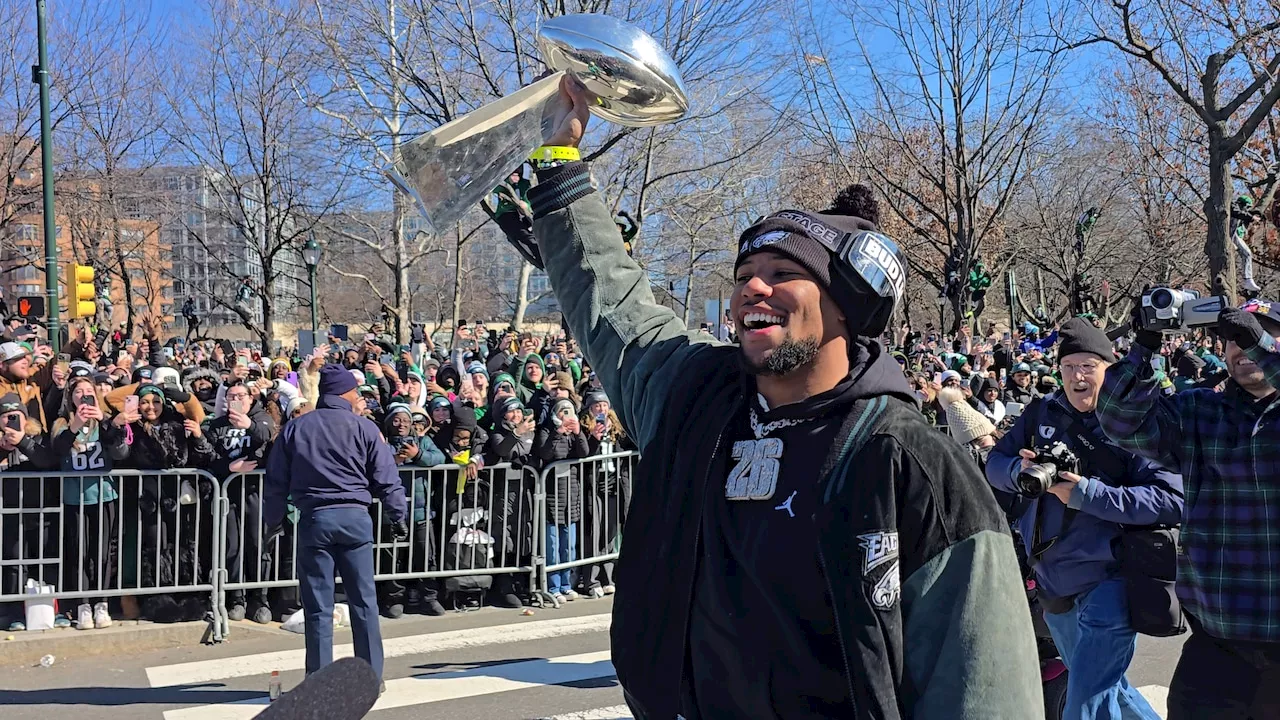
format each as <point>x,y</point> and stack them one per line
<point>762,430</point>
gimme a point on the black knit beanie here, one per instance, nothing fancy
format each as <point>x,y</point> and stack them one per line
<point>805,237</point>
<point>1080,336</point>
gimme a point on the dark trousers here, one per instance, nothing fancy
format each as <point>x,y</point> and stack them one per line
<point>397,560</point>
<point>341,539</point>
<point>246,560</point>
<point>1220,679</point>
<point>90,550</point>
<point>27,536</point>
<point>603,517</point>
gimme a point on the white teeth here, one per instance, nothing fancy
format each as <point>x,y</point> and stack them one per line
<point>760,320</point>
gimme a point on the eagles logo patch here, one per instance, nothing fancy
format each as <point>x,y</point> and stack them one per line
<point>880,549</point>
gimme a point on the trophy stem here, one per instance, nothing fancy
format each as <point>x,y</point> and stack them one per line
<point>451,169</point>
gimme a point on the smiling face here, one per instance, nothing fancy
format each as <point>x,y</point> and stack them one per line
<point>402,423</point>
<point>783,315</point>
<point>150,406</point>
<point>413,387</point>
<point>989,395</point>
<point>1246,372</point>
<point>1082,376</point>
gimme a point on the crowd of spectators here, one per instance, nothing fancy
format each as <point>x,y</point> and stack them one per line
<point>111,411</point>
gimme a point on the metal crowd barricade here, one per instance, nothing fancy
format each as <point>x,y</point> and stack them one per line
<point>464,536</point>
<point>93,536</point>
<point>583,506</point>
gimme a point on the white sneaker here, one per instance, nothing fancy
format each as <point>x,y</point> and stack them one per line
<point>84,617</point>
<point>596,593</point>
<point>570,595</point>
<point>609,589</point>
<point>101,618</point>
<point>558,598</point>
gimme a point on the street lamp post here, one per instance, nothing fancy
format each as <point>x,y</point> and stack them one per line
<point>311,256</point>
<point>40,74</point>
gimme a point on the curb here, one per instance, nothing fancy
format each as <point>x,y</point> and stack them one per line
<point>123,637</point>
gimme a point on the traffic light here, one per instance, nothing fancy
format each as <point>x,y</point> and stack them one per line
<point>80,292</point>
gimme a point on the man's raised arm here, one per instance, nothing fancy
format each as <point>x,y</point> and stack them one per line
<point>634,344</point>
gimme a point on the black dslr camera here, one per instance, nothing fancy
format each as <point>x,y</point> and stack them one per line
<point>1168,309</point>
<point>1035,480</point>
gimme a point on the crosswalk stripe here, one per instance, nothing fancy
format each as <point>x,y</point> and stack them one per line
<point>1158,696</point>
<point>442,687</point>
<point>203,671</point>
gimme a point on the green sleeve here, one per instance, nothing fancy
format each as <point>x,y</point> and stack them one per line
<point>634,344</point>
<point>970,649</point>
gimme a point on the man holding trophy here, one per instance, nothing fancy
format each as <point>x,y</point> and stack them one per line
<point>800,543</point>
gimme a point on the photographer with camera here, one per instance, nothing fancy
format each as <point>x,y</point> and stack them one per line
<point>1079,492</point>
<point>1227,446</point>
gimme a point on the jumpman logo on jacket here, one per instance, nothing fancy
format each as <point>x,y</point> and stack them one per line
<point>787,505</point>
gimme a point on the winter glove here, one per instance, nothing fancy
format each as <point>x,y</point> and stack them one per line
<point>1240,327</point>
<point>176,395</point>
<point>400,530</point>
<point>1149,339</point>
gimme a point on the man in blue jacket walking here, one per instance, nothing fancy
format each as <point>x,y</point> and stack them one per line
<point>333,462</point>
<point>1070,531</point>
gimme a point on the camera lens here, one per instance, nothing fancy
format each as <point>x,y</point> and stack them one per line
<point>1035,480</point>
<point>1161,298</point>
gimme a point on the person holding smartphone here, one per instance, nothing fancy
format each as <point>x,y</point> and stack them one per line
<point>608,490</point>
<point>89,443</point>
<point>164,438</point>
<point>241,437</point>
<point>22,451</point>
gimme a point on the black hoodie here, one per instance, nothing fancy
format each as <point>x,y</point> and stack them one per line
<point>750,547</point>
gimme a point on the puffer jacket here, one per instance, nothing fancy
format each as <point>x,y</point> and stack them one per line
<point>564,499</point>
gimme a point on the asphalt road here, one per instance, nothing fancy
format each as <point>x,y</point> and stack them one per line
<point>488,664</point>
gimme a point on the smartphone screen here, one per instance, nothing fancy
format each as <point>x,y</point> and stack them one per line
<point>242,361</point>
<point>13,422</point>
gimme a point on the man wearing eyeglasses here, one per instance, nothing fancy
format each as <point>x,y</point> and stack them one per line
<point>1227,446</point>
<point>1071,532</point>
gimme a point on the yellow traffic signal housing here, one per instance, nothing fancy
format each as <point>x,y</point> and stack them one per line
<point>80,292</point>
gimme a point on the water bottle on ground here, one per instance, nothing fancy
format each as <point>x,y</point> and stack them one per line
<point>273,687</point>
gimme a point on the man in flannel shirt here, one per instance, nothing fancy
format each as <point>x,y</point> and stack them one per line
<point>1227,447</point>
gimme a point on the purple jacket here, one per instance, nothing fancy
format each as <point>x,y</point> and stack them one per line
<point>331,457</point>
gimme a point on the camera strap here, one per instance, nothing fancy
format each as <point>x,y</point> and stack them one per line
<point>1100,457</point>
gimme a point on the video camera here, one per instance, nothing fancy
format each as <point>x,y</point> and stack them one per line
<point>1165,309</point>
<point>1035,480</point>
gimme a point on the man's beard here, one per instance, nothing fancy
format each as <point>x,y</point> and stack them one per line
<point>788,357</point>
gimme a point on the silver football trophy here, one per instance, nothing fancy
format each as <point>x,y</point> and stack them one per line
<point>629,78</point>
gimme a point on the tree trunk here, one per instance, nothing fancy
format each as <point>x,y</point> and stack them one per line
<point>688,295</point>
<point>457,278</point>
<point>267,331</point>
<point>522,297</point>
<point>403,300</point>
<point>1217,246</point>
